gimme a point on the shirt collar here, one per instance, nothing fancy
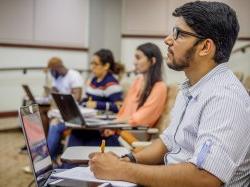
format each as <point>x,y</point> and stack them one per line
<point>190,92</point>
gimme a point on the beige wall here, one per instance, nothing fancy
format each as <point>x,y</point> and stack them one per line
<point>46,22</point>
<point>151,17</point>
<point>155,17</point>
<point>11,93</point>
<point>146,17</point>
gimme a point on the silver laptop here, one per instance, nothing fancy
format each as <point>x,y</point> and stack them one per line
<point>73,117</point>
<point>39,153</point>
<point>36,144</point>
<point>29,93</point>
<point>42,101</point>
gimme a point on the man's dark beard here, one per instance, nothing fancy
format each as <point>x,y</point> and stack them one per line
<point>184,62</point>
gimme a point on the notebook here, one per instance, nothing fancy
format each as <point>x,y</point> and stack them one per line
<point>84,173</point>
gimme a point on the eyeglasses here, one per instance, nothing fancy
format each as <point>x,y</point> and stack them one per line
<point>95,64</point>
<point>177,31</point>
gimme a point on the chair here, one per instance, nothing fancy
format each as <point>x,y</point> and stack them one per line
<point>137,139</point>
<point>239,75</point>
<point>247,82</point>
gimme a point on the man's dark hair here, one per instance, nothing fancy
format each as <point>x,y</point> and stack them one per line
<point>214,20</point>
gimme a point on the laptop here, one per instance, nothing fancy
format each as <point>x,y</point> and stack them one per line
<point>29,93</point>
<point>73,117</point>
<point>38,150</point>
<point>40,101</point>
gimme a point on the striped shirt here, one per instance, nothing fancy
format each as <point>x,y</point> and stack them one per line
<point>106,93</point>
<point>210,127</point>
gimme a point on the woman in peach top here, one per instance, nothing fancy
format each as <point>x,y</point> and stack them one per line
<point>145,99</point>
<point>149,111</point>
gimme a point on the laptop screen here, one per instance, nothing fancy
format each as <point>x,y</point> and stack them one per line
<point>36,142</point>
<point>68,108</point>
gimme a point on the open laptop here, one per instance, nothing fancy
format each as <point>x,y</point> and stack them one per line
<point>73,117</point>
<point>36,144</point>
<point>38,150</point>
<point>29,93</point>
<point>40,101</point>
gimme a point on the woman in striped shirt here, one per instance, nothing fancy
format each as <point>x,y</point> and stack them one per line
<point>103,91</point>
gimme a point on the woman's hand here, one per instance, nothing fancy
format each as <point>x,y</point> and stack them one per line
<point>91,104</point>
<point>108,132</point>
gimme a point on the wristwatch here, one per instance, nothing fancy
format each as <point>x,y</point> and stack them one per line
<point>130,157</point>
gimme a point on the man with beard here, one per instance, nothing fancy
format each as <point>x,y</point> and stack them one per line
<point>208,140</point>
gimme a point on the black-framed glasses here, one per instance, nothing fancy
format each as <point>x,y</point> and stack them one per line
<point>177,31</point>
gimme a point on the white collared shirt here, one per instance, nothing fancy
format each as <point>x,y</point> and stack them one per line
<point>210,127</point>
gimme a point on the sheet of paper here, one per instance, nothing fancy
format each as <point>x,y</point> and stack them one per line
<point>84,174</point>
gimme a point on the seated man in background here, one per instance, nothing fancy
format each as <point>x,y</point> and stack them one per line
<point>208,140</point>
<point>65,80</point>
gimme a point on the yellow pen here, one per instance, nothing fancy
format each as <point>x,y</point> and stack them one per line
<point>103,146</point>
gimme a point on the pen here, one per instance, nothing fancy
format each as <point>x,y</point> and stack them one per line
<point>103,146</point>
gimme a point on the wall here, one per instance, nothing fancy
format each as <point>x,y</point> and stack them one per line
<point>105,21</point>
<point>39,23</point>
<point>105,26</point>
<point>11,93</point>
<point>154,21</point>
<point>91,24</point>
<point>45,22</point>
<point>155,17</point>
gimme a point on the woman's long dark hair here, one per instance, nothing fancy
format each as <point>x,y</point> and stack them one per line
<point>106,57</point>
<point>154,73</point>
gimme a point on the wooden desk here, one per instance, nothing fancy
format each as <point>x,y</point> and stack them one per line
<point>79,154</point>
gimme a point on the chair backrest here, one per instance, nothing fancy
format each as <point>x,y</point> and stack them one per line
<point>239,75</point>
<point>247,82</point>
<point>164,120</point>
<point>126,138</point>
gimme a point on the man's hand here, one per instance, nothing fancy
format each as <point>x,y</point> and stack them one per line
<point>105,165</point>
<point>91,155</point>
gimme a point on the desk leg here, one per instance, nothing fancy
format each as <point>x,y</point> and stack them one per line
<point>45,119</point>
